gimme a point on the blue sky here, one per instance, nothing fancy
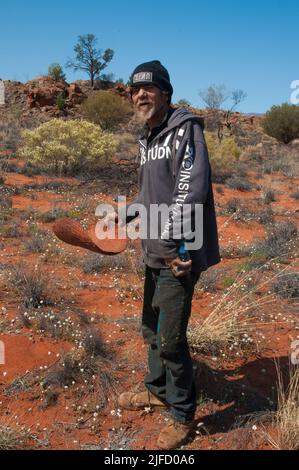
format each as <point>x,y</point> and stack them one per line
<point>252,45</point>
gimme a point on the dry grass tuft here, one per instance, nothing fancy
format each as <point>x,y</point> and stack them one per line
<point>285,421</point>
<point>34,284</point>
<point>13,439</point>
<point>236,315</point>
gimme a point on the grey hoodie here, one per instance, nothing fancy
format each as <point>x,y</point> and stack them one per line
<point>175,169</point>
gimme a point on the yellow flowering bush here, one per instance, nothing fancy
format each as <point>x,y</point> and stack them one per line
<point>223,155</point>
<point>68,146</point>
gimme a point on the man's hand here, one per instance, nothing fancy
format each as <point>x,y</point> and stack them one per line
<point>178,267</point>
<point>112,217</point>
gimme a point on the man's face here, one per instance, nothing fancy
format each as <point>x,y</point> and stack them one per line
<point>148,100</point>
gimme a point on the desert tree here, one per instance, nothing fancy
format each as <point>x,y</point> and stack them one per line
<point>214,96</point>
<point>88,58</point>
<point>236,96</point>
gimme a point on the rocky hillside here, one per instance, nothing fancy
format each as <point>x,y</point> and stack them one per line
<point>29,104</point>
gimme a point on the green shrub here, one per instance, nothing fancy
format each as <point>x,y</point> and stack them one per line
<point>223,156</point>
<point>268,196</point>
<point>281,241</point>
<point>68,146</point>
<point>282,122</point>
<point>55,71</point>
<point>239,184</point>
<point>56,214</point>
<point>286,286</point>
<point>106,109</point>
<point>60,100</point>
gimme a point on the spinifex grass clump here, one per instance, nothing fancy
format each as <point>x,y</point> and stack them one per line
<point>5,208</point>
<point>235,317</point>
<point>239,184</point>
<point>287,286</point>
<point>285,422</point>
<point>281,241</point>
<point>95,263</point>
<point>38,243</point>
<point>57,325</point>
<point>207,281</point>
<point>34,286</point>
<point>13,439</point>
<point>92,375</point>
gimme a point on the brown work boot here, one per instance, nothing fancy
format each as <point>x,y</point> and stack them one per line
<point>174,434</point>
<point>135,401</point>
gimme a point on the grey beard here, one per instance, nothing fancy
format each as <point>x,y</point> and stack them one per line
<point>145,116</point>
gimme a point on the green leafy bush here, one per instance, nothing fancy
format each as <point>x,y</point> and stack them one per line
<point>68,146</point>
<point>282,122</point>
<point>106,109</point>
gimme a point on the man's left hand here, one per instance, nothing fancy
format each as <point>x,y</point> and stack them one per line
<point>178,267</point>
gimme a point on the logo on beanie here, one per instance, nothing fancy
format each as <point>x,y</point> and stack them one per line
<point>143,77</point>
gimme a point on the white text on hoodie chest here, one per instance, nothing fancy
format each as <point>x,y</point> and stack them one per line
<point>157,152</point>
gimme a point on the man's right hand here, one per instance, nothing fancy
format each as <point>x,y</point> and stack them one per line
<point>110,217</point>
<point>178,267</point>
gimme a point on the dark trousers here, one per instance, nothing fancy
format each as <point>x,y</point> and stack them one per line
<point>166,311</point>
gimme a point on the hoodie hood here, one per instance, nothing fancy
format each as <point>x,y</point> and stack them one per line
<point>180,115</point>
<point>176,117</point>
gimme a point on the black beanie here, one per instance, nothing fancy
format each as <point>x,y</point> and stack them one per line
<point>152,73</point>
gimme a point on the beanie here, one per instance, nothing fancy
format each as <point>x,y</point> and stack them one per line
<point>151,73</point>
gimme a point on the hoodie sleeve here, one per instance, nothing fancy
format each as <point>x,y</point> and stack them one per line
<point>191,170</point>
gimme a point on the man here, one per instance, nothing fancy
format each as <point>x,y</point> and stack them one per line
<point>174,170</point>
